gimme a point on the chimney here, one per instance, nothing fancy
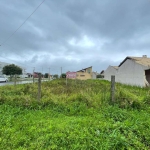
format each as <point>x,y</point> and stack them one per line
<point>145,56</point>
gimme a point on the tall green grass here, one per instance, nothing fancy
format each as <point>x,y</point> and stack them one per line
<point>77,116</point>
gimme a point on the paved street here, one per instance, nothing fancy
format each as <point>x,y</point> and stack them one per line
<point>18,82</point>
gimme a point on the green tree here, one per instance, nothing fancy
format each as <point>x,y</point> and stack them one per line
<point>55,76</point>
<point>99,76</point>
<point>12,70</point>
<point>46,75</point>
<point>63,75</point>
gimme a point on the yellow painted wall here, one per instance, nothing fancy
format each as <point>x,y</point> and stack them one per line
<point>85,75</point>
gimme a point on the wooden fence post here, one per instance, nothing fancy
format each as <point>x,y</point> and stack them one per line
<point>39,87</point>
<point>66,81</point>
<point>33,78</point>
<point>15,79</point>
<point>112,93</point>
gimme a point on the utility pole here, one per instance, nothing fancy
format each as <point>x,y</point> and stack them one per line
<point>33,73</point>
<point>49,74</point>
<point>42,72</point>
<point>24,72</point>
<point>61,73</point>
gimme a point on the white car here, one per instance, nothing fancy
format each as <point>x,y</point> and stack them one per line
<point>3,78</point>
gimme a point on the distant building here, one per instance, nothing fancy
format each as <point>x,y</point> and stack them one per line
<point>132,71</point>
<point>85,74</point>
<point>36,74</point>
<point>94,75</point>
<point>30,75</point>
<point>111,70</point>
<point>102,74</point>
<point>3,64</point>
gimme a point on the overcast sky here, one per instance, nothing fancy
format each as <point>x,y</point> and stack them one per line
<point>73,34</point>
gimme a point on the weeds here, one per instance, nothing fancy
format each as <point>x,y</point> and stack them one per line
<point>76,116</point>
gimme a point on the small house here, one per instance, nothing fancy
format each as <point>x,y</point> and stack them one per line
<point>132,71</point>
<point>111,70</point>
<point>84,74</point>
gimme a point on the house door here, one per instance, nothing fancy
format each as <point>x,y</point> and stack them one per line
<point>147,74</point>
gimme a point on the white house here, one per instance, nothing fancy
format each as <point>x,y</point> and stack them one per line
<point>102,74</point>
<point>133,71</point>
<point>111,70</point>
<point>94,75</point>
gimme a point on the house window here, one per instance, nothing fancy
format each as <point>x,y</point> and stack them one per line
<point>82,75</point>
<point>89,71</point>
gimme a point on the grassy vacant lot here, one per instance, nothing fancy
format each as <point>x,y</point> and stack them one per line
<point>74,117</point>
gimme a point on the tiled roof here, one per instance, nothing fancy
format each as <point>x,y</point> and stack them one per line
<point>84,69</point>
<point>145,61</point>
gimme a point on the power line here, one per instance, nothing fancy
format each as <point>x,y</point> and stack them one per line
<point>9,46</point>
<point>21,24</point>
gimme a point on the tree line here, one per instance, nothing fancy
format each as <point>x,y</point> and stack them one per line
<point>13,69</point>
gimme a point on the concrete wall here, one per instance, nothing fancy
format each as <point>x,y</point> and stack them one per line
<point>109,72</point>
<point>131,73</point>
<point>85,75</point>
<point>94,75</point>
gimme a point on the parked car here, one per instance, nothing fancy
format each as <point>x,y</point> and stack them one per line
<point>3,78</point>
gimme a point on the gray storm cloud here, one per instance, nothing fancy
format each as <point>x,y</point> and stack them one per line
<point>73,34</point>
